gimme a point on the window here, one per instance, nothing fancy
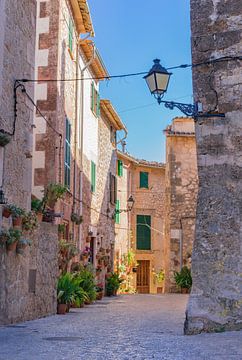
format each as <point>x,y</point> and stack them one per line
<point>68,154</point>
<point>113,189</point>
<point>117,216</point>
<point>95,100</point>
<point>144,180</point>
<point>143,232</point>
<point>70,35</point>
<point>93,177</point>
<point>120,168</point>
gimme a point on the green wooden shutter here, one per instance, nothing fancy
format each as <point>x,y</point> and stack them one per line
<point>70,40</point>
<point>93,177</point>
<point>117,216</point>
<point>98,105</point>
<point>92,97</point>
<point>144,180</point>
<point>67,173</point>
<point>143,232</point>
<point>120,168</point>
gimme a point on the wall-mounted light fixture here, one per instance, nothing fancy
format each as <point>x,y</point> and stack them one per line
<point>130,204</point>
<point>157,80</point>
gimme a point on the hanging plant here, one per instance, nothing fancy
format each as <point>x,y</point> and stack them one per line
<point>77,219</point>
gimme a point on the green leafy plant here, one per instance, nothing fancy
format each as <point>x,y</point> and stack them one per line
<point>160,275</point>
<point>183,278</point>
<point>113,284</point>
<point>29,221</point>
<point>86,280</point>
<point>52,193</point>
<point>15,211</point>
<point>77,219</point>
<point>61,228</point>
<point>66,289</point>
<point>14,235</point>
<point>37,205</point>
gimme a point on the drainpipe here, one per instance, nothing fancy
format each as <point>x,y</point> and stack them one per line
<point>181,244</point>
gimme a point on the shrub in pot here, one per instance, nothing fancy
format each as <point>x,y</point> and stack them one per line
<point>13,237</point>
<point>77,219</point>
<point>29,221</point>
<point>17,214</point>
<point>52,193</point>
<point>37,207</point>
<point>113,284</point>
<point>86,280</point>
<point>183,279</point>
<point>66,289</point>
<point>99,291</point>
<point>22,244</point>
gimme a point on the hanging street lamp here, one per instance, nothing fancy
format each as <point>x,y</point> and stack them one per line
<point>130,204</point>
<point>157,80</point>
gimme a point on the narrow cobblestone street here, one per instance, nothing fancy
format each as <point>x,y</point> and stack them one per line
<point>125,327</point>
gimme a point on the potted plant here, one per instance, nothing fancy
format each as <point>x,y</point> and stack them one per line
<point>29,221</point>
<point>22,244</point>
<point>99,269</point>
<point>66,289</point>
<point>77,219</point>
<point>13,236</point>
<point>99,291</point>
<point>85,253</point>
<point>4,235</point>
<point>37,207</point>
<point>17,214</point>
<point>86,279</point>
<point>61,228</point>
<point>183,279</point>
<point>52,193</point>
<point>113,284</point>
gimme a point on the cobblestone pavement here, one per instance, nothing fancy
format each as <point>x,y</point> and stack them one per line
<point>122,328</point>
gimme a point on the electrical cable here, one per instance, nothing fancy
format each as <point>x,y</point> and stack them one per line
<point>182,66</point>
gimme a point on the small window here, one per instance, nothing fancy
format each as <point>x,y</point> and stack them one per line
<point>70,35</point>
<point>95,100</point>
<point>120,168</point>
<point>93,177</point>
<point>144,180</point>
<point>143,232</point>
<point>117,216</point>
<point>113,189</point>
<point>67,174</point>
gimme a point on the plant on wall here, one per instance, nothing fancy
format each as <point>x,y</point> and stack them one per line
<point>52,193</point>
<point>77,219</point>
<point>159,275</point>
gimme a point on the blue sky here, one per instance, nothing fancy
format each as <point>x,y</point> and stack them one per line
<point>129,35</point>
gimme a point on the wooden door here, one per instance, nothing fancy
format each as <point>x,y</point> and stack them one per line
<point>143,277</point>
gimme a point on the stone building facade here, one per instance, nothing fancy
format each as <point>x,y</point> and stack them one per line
<point>181,187</point>
<point>27,283</point>
<point>215,302</point>
<point>99,192</point>
<point>141,230</point>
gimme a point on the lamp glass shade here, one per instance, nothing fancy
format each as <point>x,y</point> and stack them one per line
<point>158,78</point>
<point>130,203</point>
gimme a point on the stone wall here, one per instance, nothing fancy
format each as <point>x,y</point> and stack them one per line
<point>215,302</point>
<point>181,197</point>
<point>28,282</point>
<point>17,32</point>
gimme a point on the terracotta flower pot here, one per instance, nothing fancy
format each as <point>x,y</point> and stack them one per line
<point>12,247</point>
<point>39,217</point>
<point>99,295</point>
<point>6,213</point>
<point>61,309</point>
<point>17,222</point>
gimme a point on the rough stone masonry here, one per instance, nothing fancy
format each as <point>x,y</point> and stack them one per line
<point>215,303</point>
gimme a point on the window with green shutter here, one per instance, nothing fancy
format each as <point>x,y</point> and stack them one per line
<point>95,100</point>
<point>144,180</point>
<point>93,177</point>
<point>67,172</point>
<point>70,36</point>
<point>117,215</point>
<point>120,168</point>
<point>143,232</point>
